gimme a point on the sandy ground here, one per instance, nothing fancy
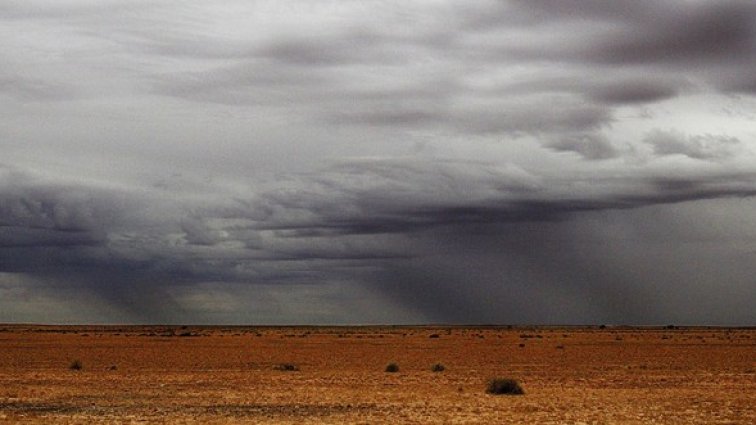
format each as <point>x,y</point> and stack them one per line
<point>230,375</point>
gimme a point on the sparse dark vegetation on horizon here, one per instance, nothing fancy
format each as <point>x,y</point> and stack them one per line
<point>438,367</point>
<point>76,365</point>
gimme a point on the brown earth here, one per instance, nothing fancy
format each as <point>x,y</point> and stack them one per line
<point>233,375</point>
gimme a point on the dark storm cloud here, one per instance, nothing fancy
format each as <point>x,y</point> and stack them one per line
<point>365,197</point>
<point>451,287</point>
<point>59,234</point>
<point>119,246</point>
<point>401,197</point>
<point>721,31</point>
<point>15,236</point>
<point>31,205</point>
<point>481,162</point>
<point>713,41</point>
<point>196,232</point>
<point>636,32</point>
<point>353,216</point>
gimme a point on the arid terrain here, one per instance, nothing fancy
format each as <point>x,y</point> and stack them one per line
<point>174,374</point>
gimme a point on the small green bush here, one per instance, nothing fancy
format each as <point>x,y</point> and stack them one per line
<point>392,367</point>
<point>504,386</point>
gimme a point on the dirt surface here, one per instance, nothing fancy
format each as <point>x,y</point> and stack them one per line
<point>240,375</point>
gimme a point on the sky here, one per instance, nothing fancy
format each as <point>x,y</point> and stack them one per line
<point>345,162</point>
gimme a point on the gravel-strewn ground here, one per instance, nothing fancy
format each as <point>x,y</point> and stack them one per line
<point>230,375</point>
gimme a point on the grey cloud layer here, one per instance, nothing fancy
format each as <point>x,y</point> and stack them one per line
<point>431,156</point>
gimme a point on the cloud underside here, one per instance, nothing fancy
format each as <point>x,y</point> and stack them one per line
<point>128,248</point>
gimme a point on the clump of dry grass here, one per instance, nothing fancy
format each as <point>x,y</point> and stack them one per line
<point>286,367</point>
<point>504,386</point>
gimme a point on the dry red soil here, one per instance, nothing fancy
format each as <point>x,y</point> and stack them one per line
<point>232,375</point>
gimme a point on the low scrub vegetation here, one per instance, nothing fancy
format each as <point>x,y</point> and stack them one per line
<point>286,367</point>
<point>504,386</point>
<point>392,367</point>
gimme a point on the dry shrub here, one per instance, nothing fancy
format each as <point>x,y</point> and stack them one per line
<point>504,386</point>
<point>286,367</point>
<point>392,367</point>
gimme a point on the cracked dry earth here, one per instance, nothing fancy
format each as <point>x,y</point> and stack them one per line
<point>232,375</point>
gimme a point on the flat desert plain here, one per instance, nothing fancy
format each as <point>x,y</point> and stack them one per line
<point>175,374</point>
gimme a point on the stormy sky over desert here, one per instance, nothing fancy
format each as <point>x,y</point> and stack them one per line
<point>319,162</point>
